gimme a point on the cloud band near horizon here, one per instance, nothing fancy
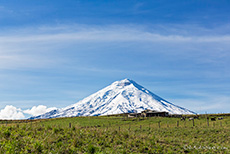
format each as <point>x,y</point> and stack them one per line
<point>11,112</point>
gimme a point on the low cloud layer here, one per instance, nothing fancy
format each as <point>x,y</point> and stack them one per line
<point>11,112</point>
<point>38,110</point>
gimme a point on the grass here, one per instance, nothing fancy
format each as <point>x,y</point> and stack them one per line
<point>115,135</point>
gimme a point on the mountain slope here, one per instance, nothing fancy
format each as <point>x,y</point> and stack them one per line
<point>119,97</point>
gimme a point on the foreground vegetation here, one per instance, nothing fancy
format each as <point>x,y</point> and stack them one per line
<point>115,135</point>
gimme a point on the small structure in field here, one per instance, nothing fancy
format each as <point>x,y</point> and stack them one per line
<point>133,115</point>
<point>153,113</point>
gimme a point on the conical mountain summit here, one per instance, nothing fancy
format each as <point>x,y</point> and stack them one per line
<point>125,96</point>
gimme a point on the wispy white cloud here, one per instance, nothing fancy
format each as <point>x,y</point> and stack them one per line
<point>39,47</point>
<point>108,34</point>
<point>4,10</point>
<point>209,104</point>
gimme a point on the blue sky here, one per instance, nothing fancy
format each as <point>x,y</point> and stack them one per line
<point>55,53</point>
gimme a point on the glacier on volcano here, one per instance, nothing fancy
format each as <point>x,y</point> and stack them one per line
<point>125,96</point>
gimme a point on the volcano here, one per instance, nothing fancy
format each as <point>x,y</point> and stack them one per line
<point>125,96</point>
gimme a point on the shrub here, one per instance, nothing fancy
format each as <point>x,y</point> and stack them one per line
<point>7,133</point>
<point>38,147</point>
<point>92,149</point>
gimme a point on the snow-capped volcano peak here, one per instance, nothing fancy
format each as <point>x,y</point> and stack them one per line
<point>126,83</point>
<point>122,96</point>
<point>122,83</point>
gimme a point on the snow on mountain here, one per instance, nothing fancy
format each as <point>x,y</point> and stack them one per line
<point>123,96</point>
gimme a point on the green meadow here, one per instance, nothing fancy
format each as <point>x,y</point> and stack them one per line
<point>115,134</point>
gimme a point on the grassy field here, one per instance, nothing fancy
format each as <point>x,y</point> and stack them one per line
<point>115,135</point>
